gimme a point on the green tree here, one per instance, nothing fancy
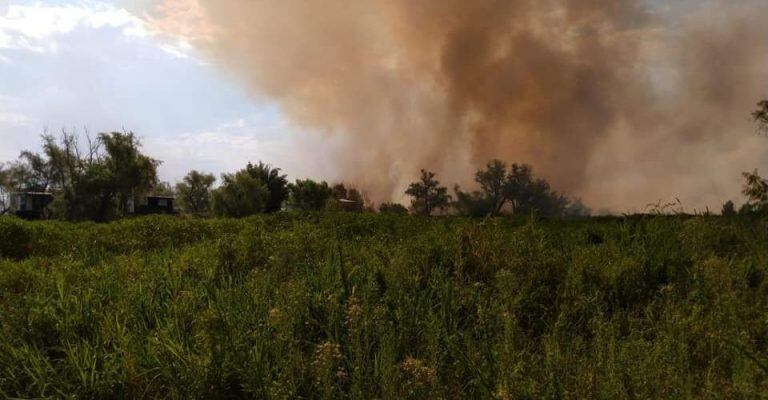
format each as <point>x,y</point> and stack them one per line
<point>761,115</point>
<point>492,195</point>
<point>93,181</point>
<point>392,208</point>
<point>33,172</point>
<point>4,189</point>
<point>756,190</point>
<point>576,208</point>
<point>472,204</point>
<point>427,194</point>
<point>194,192</point>
<point>128,172</point>
<point>277,184</point>
<point>514,187</point>
<point>348,199</point>
<point>729,209</point>
<point>240,195</point>
<point>530,194</point>
<point>493,183</point>
<point>308,195</point>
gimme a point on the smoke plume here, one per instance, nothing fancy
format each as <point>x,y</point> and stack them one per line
<point>621,102</point>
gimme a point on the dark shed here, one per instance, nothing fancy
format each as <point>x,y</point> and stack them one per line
<point>31,205</point>
<point>157,205</point>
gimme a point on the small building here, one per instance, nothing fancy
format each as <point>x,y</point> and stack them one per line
<point>350,205</point>
<point>31,205</point>
<point>156,205</point>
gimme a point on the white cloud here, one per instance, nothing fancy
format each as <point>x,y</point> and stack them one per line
<point>8,116</point>
<point>13,118</point>
<point>36,27</point>
<point>231,145</point>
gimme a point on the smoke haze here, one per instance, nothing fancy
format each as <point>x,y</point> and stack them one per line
<point>620,102</point>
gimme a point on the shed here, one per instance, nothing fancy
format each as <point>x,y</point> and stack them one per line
<point>350,205</point>
<point>31,205</point>
<point>156,205</point>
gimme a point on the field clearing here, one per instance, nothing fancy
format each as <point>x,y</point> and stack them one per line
<point>383,306</point>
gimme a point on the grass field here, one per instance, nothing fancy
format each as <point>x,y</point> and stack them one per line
<point>374,306</point>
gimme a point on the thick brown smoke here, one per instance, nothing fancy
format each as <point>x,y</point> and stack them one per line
<point>622,102</point>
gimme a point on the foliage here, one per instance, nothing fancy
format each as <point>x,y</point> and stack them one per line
<point>745,209</point>
<point>729,209</point>
<point>517,188</point>
<point>31,172</point>
<point>359,306</point>
<point>5,189</point>
<point>473,204</point>
<point>349,199</point>
<point>241,194</point>
<point>128,171</point>
<point>194,192</point>
<point>492,183</point>
<point>276,184</point>
<point>761,115</point>
<point>529,194</point>
<point>392,208</point>
<point>93,182</point>
<point>756,190</point>
<point>576,208</point>
<point>308,195</point>
<point>427,194</point>
<point>255,189</point>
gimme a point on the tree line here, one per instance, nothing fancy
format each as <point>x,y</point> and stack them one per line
<point>98,178</point>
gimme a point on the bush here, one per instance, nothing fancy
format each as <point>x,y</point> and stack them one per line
<point>348,305</point>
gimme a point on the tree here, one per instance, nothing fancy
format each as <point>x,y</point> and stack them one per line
<point>4,189</point>
<point>472,204</point>
<point>542,200</point>
<point>427,194</point>
<point>576,208</point>
<point>519,183</point>
<point>128,171</point>
<point>240,195</point>
<point>761,115</point>
<point>277,184</point>
<point>492,183</point>
<point>516,187</point>
<point>90,182</point>
<point>308,195</point>
<point>529,194</point>
<point>729,209</point>
<point>492,195</point>
<point>33,172</point>
<point>745,209</point>
<point>756,190</point>
<point>254,189</point>
<point>348,199</point>
<point>163,188</point>
<point>194,192</point>
<point>392,208</point>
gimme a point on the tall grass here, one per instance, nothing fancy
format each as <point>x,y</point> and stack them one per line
<point>364,306</point>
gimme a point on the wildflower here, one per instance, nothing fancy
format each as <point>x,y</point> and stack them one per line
<point>328,368</point>
<point>354,311</point>
<point>419,379</point>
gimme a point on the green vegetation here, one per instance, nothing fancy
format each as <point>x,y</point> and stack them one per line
<point>349,305</point>
<point>194,192</point>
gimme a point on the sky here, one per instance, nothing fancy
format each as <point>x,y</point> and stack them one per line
<point>92,66</point>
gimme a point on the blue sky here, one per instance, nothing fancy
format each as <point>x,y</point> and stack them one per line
<point>92,65</point>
